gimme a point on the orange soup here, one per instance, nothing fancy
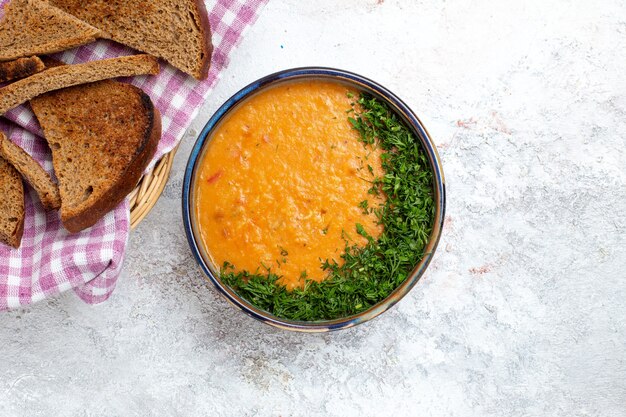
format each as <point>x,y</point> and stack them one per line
<point>281,183</point>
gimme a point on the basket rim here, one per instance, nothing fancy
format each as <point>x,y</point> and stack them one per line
<point>149,188</point>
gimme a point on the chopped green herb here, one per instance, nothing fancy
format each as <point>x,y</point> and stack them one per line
<point>364,205</point>
<point>367,274</point>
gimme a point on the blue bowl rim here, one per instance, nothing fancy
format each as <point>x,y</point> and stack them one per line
<point>361,83</point>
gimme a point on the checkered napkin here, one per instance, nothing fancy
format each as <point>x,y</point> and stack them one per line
<point>50,260</point>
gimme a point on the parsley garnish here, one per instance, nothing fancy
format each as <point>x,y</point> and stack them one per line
<point>364,205</point>
<point>368,274</point>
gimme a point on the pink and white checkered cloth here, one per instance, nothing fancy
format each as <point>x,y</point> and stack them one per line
<point>50,260</point>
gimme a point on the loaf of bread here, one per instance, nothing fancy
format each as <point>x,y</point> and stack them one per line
<point>177,31</point>
<point>34,27</point>
<point>102,136</point>
<point>32,172</point>
<point>69,75</point>
<point>11,205</point>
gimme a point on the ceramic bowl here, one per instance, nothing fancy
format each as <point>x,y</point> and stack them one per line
<point>361,84</point>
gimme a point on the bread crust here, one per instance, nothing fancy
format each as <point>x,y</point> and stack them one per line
<point>48,192</point>
<point>20,68</point>
<point>75,74</point>
<point>205,29</point>
<point>83,32</point>
<point>128,179</point>
<point>15,239</point>
<point>97,13</point>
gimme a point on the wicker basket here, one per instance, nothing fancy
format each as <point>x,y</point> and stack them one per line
<point>149,189</point>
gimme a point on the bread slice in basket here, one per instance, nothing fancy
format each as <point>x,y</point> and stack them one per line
<point>32,172</point>
<point>102,136</point>
<point>11,205</point>
<point>33,27</point>
<point>177,31</point>
<point>20,68</point>
<point>69,75</point>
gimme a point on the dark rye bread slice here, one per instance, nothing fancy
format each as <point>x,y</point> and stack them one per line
<point>11,205</point>
<point>34,27</point>
<point>175,30</point>
<point>20,68</point>
<point>63,76</point>
<point>102,136</point>
<point>32,172</point>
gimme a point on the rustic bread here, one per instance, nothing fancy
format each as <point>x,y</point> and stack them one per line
<point>32,27</point>
<point>11,205</point>
<point>102,136</point>
<point>20,68</point>
<point>34,174</point>
<point>175,30</point>
<point>68,75</point>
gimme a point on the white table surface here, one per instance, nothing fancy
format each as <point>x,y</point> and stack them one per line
<point>522,312</point>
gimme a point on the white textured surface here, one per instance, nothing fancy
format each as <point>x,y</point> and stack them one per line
<point>523,310</point>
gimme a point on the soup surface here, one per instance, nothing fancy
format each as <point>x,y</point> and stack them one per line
<point>282,182</point>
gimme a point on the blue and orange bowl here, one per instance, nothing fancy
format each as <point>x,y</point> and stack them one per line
<point>360,84</point>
